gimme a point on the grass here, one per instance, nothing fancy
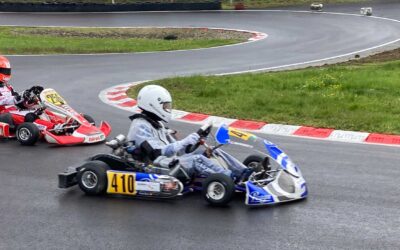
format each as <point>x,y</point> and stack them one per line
<point>30,40</point>
<point>348,97</point>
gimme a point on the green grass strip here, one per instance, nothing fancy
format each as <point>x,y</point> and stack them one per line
<point>358,98</point>
<point>18,40</point>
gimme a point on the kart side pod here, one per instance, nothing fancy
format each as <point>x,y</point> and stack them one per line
<point>4,130</point>
<point>96,179</point>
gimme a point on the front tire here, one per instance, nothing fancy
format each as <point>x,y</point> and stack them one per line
<point>218,189</point>
<point>92,179</point>
<point>89,119</point>
<point>257,163</point>
<point>27,134</point>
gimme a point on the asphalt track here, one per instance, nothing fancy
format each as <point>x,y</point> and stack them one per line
<point>353,201</point>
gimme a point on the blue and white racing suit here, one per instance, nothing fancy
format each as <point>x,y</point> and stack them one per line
<point>160,139</point>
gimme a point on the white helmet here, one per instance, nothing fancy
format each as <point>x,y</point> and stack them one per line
<point>157,100</point>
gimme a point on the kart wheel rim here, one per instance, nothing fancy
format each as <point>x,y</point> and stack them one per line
<point>216,190</point>
<point>89,179</point>
<point>24,134</point>
<point>253,164</point>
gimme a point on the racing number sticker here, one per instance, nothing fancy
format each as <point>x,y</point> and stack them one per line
<point>240,134</point>
<point>54,98</point>
<point>121,183</point>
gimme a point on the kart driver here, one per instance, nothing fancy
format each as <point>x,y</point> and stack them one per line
<point>13,105</point>
<point>7,94</point>
<point>148,132</point>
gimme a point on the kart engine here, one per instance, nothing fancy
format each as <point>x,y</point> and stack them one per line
<point>118,145</point>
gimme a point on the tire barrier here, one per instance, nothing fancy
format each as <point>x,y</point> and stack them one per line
<point>93,7</point>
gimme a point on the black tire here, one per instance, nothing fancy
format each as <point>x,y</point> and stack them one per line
<point>89,119</point>
<point>218,189</point>
<point>7,118</point>
<point>27,134</point>
<point>31,117</point>
<point>260,163</point>
<point>92,178</point>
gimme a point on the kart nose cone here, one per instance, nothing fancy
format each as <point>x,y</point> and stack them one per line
<point>284,187</point>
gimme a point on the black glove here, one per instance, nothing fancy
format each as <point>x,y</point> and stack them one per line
<point>36,90</point>
<point>26,95</point>
<point>19,101</point>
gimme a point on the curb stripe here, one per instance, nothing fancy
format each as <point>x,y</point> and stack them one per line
<point>313,132</point>
<point>195,117</point>
<point>248,125</point>
<point>118,98</point>
<point>117,92</point>
<point>130,103</point>
<point>383,139</point>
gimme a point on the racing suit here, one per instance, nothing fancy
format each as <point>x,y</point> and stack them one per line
<point>149,133</point>
<point>7,96</point>
<point>15,106</point>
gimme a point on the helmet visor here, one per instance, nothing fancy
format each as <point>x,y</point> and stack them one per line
<point>5,71</point>
<point>167,106</point>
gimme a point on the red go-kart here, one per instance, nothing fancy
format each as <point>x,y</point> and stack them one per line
<point>50,117</point>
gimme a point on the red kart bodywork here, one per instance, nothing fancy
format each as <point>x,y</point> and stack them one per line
<point>81,131</point>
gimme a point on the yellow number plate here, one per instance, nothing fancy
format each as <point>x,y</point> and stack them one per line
<point>240,134</point>
<point>121,183</point>
<point>54,98</point>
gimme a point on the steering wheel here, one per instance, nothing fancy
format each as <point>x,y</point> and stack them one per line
<point>33,94</point>
<point>203,132</point>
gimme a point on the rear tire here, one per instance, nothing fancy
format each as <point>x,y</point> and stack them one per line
<point>218,189</point>
<point>89,119</point>
<point>27,134</point>
<point>92,179</point>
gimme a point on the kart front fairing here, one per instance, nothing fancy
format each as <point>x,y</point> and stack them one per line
<point>283,183</point>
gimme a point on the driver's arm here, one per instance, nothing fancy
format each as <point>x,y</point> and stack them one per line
<point>177,146</point>
<point>7,100</point>
<point>142,134</point>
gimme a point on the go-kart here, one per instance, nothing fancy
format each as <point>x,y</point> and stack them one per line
<point>51,118</point>
<point>127,172</point>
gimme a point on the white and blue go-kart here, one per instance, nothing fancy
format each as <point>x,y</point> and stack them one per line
<point>125,171</point>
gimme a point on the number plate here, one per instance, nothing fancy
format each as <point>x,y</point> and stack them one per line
<point>121,183</point>
<point>240,134</point>
<point>53,97</point>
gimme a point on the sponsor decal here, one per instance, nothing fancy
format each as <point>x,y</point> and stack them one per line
<point>256,197</point>
<point>240,134</point>
<point>96,138</point>
<point>147,186</point>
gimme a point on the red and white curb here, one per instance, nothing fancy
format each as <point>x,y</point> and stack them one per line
<point>116,96</point>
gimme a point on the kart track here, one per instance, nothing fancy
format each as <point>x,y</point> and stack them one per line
<point>353,198</point>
